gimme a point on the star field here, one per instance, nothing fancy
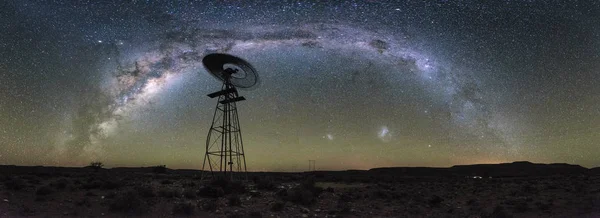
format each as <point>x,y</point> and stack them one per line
<point>352,85</point>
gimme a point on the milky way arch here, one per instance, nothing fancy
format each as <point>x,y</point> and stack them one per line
<point>134,81</point>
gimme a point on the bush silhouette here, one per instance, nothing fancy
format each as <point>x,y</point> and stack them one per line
<point>159,169</point>
<point>97,165</point>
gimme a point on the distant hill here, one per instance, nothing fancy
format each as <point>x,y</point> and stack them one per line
<point>521,168</point>
<point>515,169</point>
<point>13,169</point>
<point>413,171</point>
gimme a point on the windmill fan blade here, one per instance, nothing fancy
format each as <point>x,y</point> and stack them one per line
<point>239,72</point>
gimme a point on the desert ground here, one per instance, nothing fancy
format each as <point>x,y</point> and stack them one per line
<point>161,192</point>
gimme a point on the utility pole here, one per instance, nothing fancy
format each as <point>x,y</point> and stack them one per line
<point>311,165</point>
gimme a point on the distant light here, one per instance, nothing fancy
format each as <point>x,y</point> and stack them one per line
<point>397,9</point>
<point>99,41</point>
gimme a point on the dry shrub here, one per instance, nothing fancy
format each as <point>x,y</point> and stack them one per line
<point>169,192</point>
<point>234,200</point>
<point>14,184</point>
<point>306,193</point>
<point>44,190</point>
<point>277,206</point>
<point>210,206</point>
<point>211,192</point>
<point>128,202</point>
<point>145,191</point>
<point>183,208</point>
<point>189,193</point>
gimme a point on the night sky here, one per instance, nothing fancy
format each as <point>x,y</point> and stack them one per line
<point>352,85</point>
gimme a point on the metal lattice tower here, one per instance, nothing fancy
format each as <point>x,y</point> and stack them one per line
<point>224,146</point>
<point>225,157</point>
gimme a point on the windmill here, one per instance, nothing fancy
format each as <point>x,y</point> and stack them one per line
<point>225,155</point>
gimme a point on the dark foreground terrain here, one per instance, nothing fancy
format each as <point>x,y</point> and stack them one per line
<point>519,189</point>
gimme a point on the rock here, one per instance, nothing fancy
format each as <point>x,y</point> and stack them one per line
<point>305,210</point>
<point>435,200</point>
<point>254,193</point>
<point>282,193</point>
